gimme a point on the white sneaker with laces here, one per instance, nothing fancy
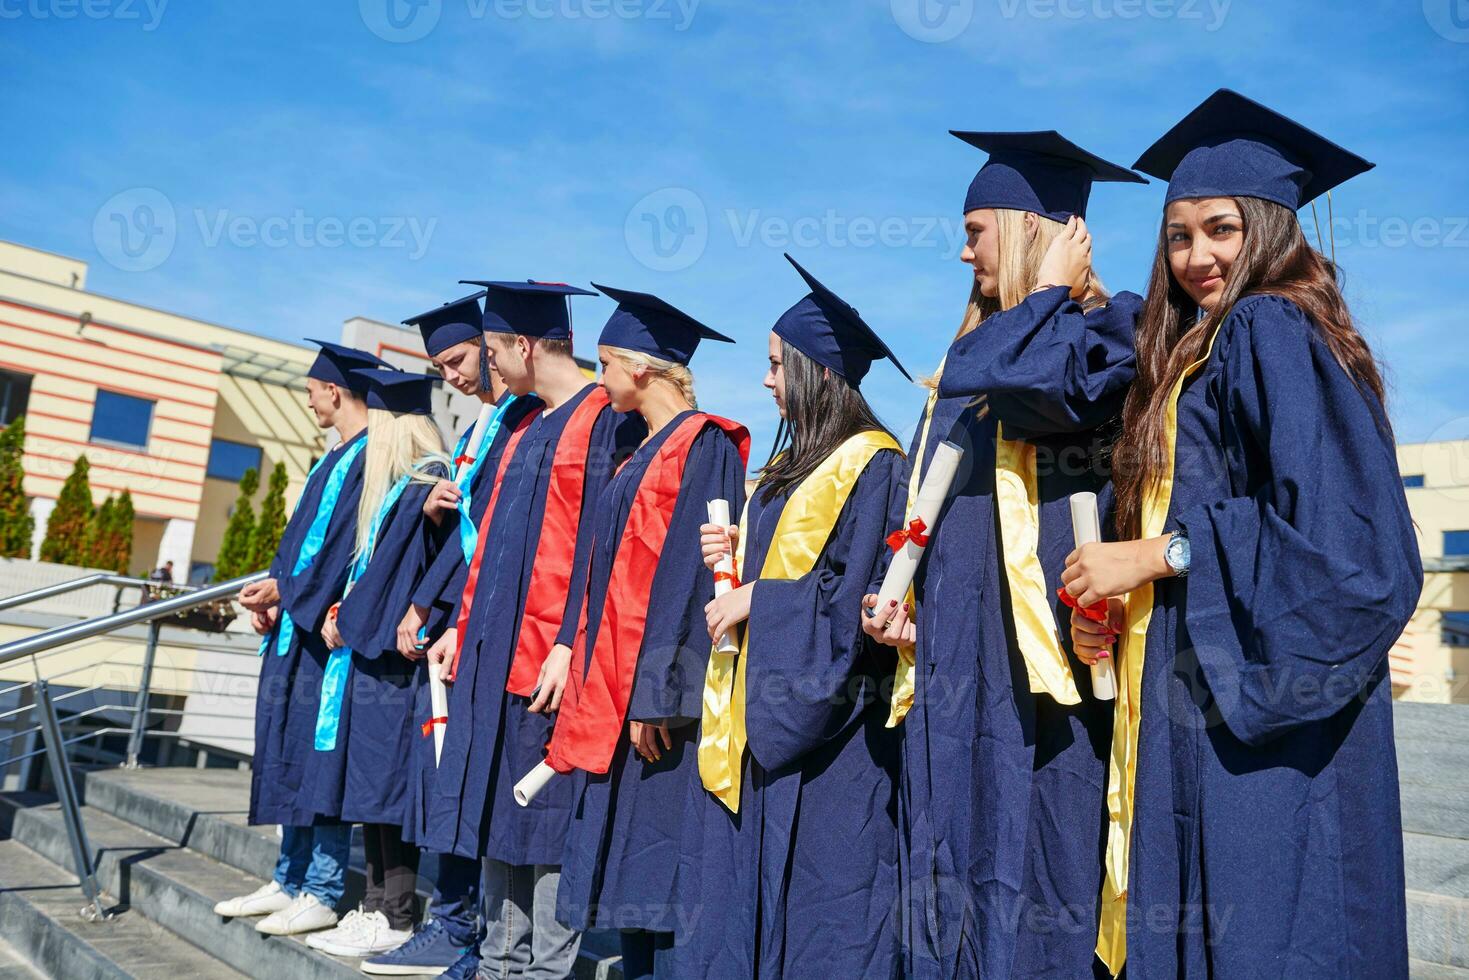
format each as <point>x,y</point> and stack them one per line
<point>305,914</point>
<point>371,936</point>
<point>346,931</point>
<point>262,901</point>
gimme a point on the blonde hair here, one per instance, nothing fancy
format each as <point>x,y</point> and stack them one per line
<point>1020,263</point>
<point>669,372</point>
<point>397,446</point>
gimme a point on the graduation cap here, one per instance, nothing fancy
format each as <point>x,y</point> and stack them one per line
<point>530,308</point>
<point>1043,172</point>
<point>398,391</point>
<point>643,322</point>
<point>336,362</point>
<point>1231,146</point>
<point>453,323</point>
<point>828,330</point>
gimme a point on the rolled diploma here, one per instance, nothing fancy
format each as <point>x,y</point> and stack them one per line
<point>533,782</point>
<point>438,691</point>
<point>931,496</point>
<point>1087,528</point>
<point>719,515</point>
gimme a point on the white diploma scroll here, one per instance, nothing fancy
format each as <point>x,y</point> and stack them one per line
<point>1087,528</point>
<point>930,500</point>
<point>723,573</point>
<point>532,783</point>
<point>438,691</point>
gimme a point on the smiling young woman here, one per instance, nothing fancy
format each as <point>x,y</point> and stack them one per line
<point>1253,802</point>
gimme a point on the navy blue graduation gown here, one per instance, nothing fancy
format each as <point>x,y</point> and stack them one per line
<point>438,590</point>
<point>803,881</point>
<point>1268,839</point>
<point>364,778</point>
<point>491,740</point>
<point>1006,831</point>
<point>290,685</point>
<point>626,828</point>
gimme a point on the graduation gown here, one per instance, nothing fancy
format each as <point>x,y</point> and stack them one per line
<point>290,685</point>
<point>1004,832</point>
<point>363,778</point>
<point>1267,838</point>
<point>802,881</point>
<point>438,589</point>
<point>622,849</point>
<point>491,740</point>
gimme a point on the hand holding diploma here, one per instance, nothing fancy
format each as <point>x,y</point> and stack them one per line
<point>725,576</point>
<point>1091,622</point>
<point>908,542</point>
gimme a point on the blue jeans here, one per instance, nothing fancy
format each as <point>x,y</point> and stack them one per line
<point>523,938</point>
<point>646,955</point>
<point>314,860</point>
<point>457,898</point>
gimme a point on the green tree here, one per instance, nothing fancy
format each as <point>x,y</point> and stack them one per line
<point>272,522</point>
<point>99,536</point>
<point>235,550</point>
<point>17,526</point>
<point>66,529</point>
<point>123,516</point>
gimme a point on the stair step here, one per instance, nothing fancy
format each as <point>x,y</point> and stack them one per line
<point>1439,807</point>
<point>39,903</point>
<point>13,966</point>
<point>1438,929</point>
<point>177,888</point>
<point>1420,970</point>
<point>1438,865</point>
<point>1431,722</point>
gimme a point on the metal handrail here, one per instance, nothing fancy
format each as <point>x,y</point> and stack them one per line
<point>87,629</point>
<point>62,588</point>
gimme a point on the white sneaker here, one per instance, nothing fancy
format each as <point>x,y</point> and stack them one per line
<point>305,914</point>
<point>371,934</point>
<point>346,932</point>
<point>262,901</point>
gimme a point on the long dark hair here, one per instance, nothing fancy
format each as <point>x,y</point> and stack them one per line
<point>1274,260</point>
<point>823,410</point>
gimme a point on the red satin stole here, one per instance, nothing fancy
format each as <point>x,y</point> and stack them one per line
<point>466,601</point>
<point>550,576</point>
<point>595,704</point>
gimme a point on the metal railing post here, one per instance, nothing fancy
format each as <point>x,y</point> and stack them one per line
<point>66,795</point>
<point>140,710</point>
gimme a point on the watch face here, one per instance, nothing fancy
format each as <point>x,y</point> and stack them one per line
<point>1177,554</point>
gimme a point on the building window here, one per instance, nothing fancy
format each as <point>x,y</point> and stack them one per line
<point>229,460</point>
<point>1455,543</point>
<point>15,394</point>
<point>1454,629</point>
<point>1413,480</point>
<point>121,419</point>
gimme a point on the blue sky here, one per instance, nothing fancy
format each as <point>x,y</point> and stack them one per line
<point>300,163</point>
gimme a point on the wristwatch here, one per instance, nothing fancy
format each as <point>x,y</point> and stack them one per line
<point>1177,553</point>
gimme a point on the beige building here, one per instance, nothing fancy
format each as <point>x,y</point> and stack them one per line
<point>171,408</point>
<point>1435,649</point>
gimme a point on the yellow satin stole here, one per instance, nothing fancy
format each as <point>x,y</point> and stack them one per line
<point>1017,499</point>
<point>1126,716</point>
<point>801,534</point>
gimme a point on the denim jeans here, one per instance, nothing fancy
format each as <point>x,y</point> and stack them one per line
<point>314,860</point>
<point>523,938</point>
<point>456,901</point>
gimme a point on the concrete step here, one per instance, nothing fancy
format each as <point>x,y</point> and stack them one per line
<point>1438,929</point>
<point>1431,722</point>
<point>1438,865</point>
<point>13,966</point>
<point>176,889</point>
<point>1439,807</point>
<point>1419,970</point>
<point>39,904</point>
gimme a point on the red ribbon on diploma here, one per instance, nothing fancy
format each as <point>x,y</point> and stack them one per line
<point>916,531</point>
<point>461,460</point>
<point>1096,612</point>
<point>733,578</point>
<point>428,726</point>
